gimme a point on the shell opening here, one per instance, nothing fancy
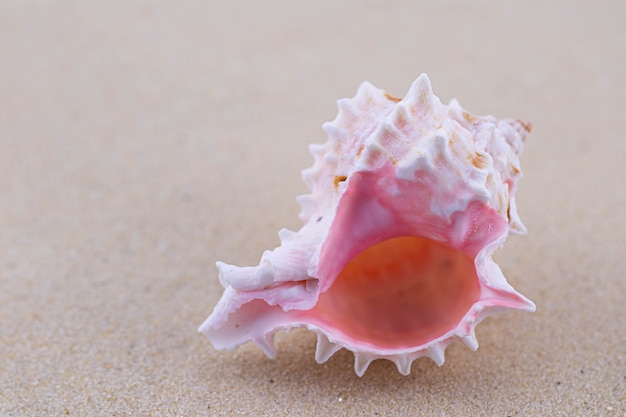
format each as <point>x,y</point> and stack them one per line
<point>399,293</point>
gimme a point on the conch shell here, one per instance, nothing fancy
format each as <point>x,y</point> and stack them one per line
<point>409,200</point>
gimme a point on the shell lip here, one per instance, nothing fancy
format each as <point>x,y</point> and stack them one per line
<point>281,317</point>
<point>285,320</point>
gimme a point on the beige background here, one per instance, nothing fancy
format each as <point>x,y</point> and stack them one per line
<point>142,141</point>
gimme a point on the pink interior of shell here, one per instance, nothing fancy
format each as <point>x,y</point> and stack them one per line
<point>402,292</point>
<point>394,274</point>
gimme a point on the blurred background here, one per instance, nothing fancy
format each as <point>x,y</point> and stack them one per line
<point>141,141</point>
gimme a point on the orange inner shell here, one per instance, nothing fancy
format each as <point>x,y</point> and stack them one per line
<point>400,293</point>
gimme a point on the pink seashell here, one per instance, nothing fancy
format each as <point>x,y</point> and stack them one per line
<point>409,200</point>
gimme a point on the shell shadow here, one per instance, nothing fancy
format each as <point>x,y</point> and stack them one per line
<point>465,375</point>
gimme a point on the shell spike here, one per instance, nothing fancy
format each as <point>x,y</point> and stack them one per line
<point>506,299</point>
<point>245,278</point>
<point>347,114</point>
<point>308,204</point>
<point>514,220</point>
<point>525,304</point>
<point>362,362</point>
<point>266,343</point>
<point>387,136</point>
<point>421,93</point>
<point>400,116</point>
<point>403,363</point>
<point>437,354</point>
<point>373,155</point>
<point>286,235</point>
<point>336,134</point>
<point>523,127</point>
<point>499,295</point>
<point>324,349</point>
<point>470,340</point>
<point>365,91</point>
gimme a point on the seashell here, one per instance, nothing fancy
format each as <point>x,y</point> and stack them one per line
<point>409,200</point>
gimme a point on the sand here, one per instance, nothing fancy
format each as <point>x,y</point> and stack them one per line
<point>140,142</point>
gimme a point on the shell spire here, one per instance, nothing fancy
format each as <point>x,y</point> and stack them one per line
<point>409,199</point>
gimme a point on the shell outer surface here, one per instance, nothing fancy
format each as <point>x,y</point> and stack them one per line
<point>409,199</point>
